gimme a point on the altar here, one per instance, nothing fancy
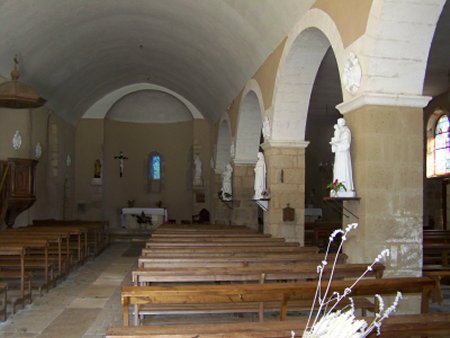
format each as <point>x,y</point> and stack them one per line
<point>129,221</point>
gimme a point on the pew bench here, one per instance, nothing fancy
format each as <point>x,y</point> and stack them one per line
<point>231,249</point>
<point>233,261</point>
<point>399,326</point>
<point>3,300</point>
<point>146,276</point>
<point>14,280</point>
<point>281,293</point>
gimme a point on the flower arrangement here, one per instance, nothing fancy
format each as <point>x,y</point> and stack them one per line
<point>328,322</point>
<point>335,187</point>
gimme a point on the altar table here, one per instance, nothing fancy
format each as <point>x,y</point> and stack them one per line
<point>158,215</point>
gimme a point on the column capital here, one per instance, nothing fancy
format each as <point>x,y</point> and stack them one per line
<point>244,162</point>
<point>381,99</point>
<point>284,144</point>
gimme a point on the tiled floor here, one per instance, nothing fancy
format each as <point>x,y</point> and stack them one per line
<point>88,301</point>
<point>84,305</point>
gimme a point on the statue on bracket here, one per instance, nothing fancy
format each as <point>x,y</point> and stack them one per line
<point>226,192</point>
<point>197,171</point>
<point>260,178</point>
<point>342,185</point>
<point>266,128</point>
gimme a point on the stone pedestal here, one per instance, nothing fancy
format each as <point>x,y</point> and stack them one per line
<point>286,183</point>
<point>387,154</point>
<point>245,211</point>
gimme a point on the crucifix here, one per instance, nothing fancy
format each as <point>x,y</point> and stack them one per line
<point>121,157</point>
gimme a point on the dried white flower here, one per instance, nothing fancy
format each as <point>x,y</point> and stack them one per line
<point>327,322</point>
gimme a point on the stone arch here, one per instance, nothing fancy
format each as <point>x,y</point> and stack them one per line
<point>224,142</point>
<point>396,49</point>
<point>249,124</point>
<point>305,49</point>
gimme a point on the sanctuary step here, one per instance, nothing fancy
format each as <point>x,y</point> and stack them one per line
<point>125,235</point>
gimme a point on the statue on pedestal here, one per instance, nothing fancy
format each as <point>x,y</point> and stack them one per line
<point>342,169</point>
<point>197,171</point>
<point>226,192</point>
<point>260,178</point>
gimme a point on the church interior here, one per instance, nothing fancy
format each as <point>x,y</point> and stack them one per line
<point>143,136</point>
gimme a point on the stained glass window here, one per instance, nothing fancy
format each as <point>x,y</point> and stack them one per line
<point>155,167</point>
<point>442,146</point>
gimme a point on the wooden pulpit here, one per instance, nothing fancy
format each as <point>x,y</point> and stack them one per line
<point>17,187</point>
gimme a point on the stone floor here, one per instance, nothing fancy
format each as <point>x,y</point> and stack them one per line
<point>84,305</point>
<point>88,301</point>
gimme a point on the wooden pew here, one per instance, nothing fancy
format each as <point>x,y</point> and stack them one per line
<point>97,232</point>
<point>3,300</point>
<point>19,252</point>
<point>399,326</point>
<point>146,276</point>
<point>230,294</point>
<point>35,263</point>
<point>152,244</point>
<point>233,261</point>
<point>55,248</point>
<point>229,249</point>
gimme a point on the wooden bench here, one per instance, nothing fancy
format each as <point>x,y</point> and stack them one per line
<point>283,293</point>
<point>39,262</point>
<point>229,249</point>
<point>19,252</point>
<point>233,261</point>
<point>97,232</point>
<point>14,281</point>
<point>399,326</point>
<point>3,300</point>
<point>146,276</point>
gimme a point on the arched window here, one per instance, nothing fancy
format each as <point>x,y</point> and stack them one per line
<point>154,167</point>
<point>442,146</point>
<point>438,161</point>
<point>155,172</point>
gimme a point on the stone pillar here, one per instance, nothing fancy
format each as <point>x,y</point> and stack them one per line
<point>387,156</point>
<point>245,210</point>
<point>222,210</point>
<point>286,183</point>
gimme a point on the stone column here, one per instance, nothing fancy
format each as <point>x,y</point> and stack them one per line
<point>387,156</point>
<point>222,212</point>
<point>285,163</point>
<point>245,210</point>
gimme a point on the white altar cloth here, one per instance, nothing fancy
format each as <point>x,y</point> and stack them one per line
<point>160,213</point>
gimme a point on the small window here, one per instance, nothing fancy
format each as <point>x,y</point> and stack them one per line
<point>155,167</point>
<point>155,172</point>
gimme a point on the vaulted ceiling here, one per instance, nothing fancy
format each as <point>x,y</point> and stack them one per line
<point>74,52</point>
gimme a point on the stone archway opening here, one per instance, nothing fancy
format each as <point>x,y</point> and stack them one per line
<point>248,140</point>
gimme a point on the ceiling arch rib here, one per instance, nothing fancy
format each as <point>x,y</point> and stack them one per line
<point>99,109</point>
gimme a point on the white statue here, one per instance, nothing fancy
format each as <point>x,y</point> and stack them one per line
<point>260,177</point>
<point>232,150</point>
<point>227,192</point>
<point>266,128</point>
<point>342,169</point>
<point>197,170</point>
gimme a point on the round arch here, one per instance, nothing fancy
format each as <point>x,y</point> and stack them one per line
<point>100,108</point>
<point>249,123</point>
<point>305,49</point>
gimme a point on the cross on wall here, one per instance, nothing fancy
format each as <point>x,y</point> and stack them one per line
<point>121,157</point>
